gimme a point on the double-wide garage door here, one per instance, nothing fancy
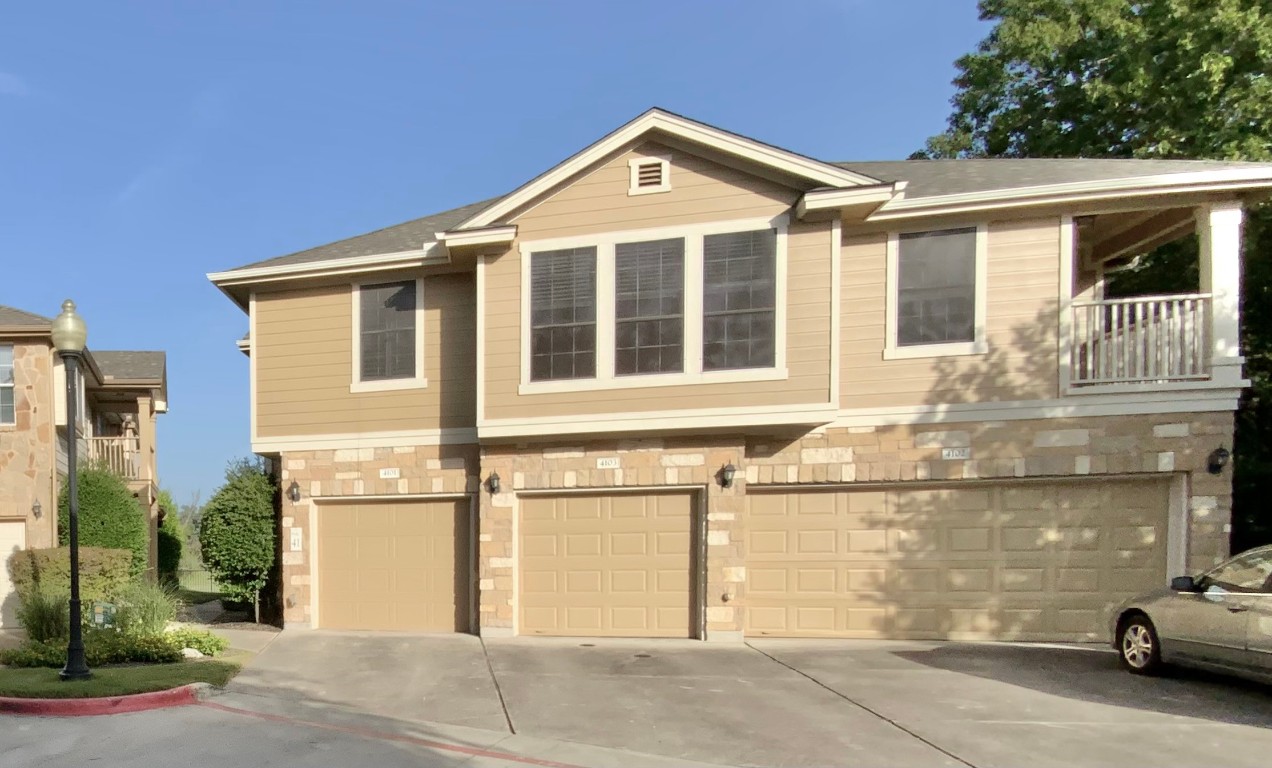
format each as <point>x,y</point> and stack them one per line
<point>1027,561</point>
<point>394,565</point>
<point>607,565</point>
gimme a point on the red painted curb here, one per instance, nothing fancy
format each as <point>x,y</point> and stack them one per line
<point>106,705</point>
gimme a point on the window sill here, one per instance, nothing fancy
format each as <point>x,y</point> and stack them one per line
<point>389,385</point>
<point>647,381</point>
<point>936,350</point>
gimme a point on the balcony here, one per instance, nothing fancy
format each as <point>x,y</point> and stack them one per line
<point>121,455</point>
<point>1141,340</point>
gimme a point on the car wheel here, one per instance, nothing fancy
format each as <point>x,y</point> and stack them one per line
<point>1138,647</point>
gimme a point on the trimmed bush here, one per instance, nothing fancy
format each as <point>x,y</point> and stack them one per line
<point>172,536</point>
<point>200,640</point>
<point>45,614</point>
<point>101,647</point>
<point>236,532</point>
<point>109,516</point>
<point>103,572</point>
<point>144,609</point>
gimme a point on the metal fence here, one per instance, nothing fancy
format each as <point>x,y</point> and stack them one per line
<point>197,580</point>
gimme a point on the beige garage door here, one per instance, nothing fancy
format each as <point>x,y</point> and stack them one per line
<point>1023,561</point>
<point>613,565</point>
<point>399,566</point>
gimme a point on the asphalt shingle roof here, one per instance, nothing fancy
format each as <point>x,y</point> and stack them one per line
<point>407,236</point>
<point>13,316</point>
<point>925,178</point>
<point>930,178</point>
<point>130,365</point>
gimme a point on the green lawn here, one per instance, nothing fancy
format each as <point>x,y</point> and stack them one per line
<point>195,596</point>
<point>117,681</point>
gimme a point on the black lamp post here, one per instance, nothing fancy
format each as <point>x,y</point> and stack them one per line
<point>69,335</point>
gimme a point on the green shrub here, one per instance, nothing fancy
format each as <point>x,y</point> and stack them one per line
<point>236,532</point>
<point>45,614</point>
<point>145,609</point>
<point>109,516</point>
<point>103,572</point>
<point>172,535</point>
<point>200,640</point>
<point>101,647</point>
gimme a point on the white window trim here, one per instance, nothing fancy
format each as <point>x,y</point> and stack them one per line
<point>418,381</point>
<point>633,175</point>
<point>693,373</point>
<point>978,346</point>
<point>14,386</point>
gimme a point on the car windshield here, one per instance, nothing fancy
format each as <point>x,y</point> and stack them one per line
<point>1247,572</point>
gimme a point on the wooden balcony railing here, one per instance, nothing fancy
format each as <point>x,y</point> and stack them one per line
<point>1145,339</point>
<point>121,455</point>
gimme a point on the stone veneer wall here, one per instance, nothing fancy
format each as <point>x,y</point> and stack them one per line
<point>26,448</point>
<point>1160,445</point>
<point>1163,445</point>
<point>442,470</point>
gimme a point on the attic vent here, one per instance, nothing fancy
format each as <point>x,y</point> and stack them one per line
<point>649,174</point>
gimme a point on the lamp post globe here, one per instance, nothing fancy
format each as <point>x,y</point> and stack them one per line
<point>69,335</point>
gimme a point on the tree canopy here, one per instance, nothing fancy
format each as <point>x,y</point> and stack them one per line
<point>236,531</point>
<point>1146,79</point>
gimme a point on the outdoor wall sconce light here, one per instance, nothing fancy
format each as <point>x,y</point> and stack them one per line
<point>36,509</point>
<point>293,492</point>
<point>492,482</point>
<point>726,475</point>
<point>1218,460</point>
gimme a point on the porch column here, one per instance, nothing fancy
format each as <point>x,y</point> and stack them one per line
<point>146,473</point>
<point>1219,231</point>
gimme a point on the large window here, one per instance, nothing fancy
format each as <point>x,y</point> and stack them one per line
<point>684,305</point>
<point>7,393</point>
<point>936,293</point>
<point>389,336</point>
<point>649,306</point>
<point>739,300</point>
<point>563,314</point>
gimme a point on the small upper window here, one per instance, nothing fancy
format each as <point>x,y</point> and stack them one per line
<point>936,287</point>
<point>648,175</point>
<point>387,331</point>
<point>7,389</point>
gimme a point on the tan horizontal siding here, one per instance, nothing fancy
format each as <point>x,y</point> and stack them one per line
<point>701,191</point>
<point>1020,319</point>
<point>303,355</point>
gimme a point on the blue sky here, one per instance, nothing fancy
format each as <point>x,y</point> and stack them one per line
<point>145,144</point>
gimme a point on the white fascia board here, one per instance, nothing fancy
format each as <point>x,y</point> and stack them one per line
<point>1228,180</point>
<point>816,171</point>
<point>709,418</point>
<point>431,253</point>
<point>487,236</point>
<point>830,199</point>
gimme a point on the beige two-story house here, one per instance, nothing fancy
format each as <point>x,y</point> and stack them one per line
<point>121,395</point>
<point>689,384</point>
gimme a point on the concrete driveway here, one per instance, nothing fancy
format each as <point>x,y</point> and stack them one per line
<point>782,703</point>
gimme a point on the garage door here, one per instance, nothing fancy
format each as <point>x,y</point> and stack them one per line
<point>612,565</point>
<point>1023,561</point>
<point>12,539</point>
<point>398,566</point>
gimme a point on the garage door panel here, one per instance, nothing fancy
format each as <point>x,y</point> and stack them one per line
<point>1032,561</point>
<point>620,565</point>
<point>393,566</point>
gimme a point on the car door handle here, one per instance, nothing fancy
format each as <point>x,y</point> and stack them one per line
<point>1238,608</point>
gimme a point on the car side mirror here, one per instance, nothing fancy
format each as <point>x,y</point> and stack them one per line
<point>1184,584</point>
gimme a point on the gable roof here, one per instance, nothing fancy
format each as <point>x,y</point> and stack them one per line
<point>20,318</point>
<point>131,365</point>
<point>938,178</point>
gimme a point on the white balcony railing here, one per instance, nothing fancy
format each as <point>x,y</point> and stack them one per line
<point>1145,339</point>
<point>121,455</point>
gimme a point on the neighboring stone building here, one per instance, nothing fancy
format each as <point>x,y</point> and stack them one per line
<point>689,384</point>
<point>123,394</point>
